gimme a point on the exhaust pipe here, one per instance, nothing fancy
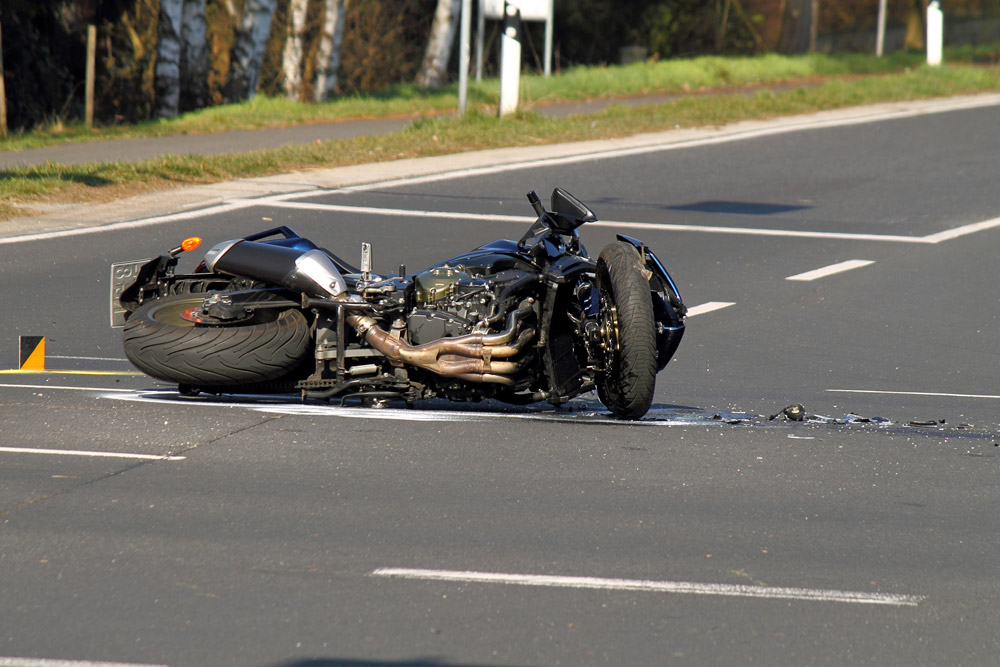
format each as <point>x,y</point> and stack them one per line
<point>470,357</point>
<point>309,271</point>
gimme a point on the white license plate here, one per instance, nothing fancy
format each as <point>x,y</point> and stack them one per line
<point>123,276</point>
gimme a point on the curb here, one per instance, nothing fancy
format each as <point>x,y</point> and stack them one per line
<point>190,198</point>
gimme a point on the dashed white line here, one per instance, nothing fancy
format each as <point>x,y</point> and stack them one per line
<point>78,452</point>
<point>833,269</point>
<point>709,307</point>
<point>764,592</point>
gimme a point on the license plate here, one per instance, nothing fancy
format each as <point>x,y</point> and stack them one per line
<point>123,276</point>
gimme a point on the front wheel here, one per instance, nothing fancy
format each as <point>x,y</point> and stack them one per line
<point>163,341</point>
<point>628,333</point>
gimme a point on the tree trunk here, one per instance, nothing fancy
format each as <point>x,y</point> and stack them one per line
<point>916,27</point>
<point>434,67</point>
<point>167,74</point>
<point>3,94</point>
<point>194,56</point>
<point>248,49</point>
<point>291,57</point>
<point>328,55</point>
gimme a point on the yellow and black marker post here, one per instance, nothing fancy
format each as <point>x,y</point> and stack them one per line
<point>32,353</point>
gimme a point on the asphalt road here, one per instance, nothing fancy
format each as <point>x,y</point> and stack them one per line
<point>268,532</point>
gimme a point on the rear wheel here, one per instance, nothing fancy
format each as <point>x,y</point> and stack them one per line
<point>628,333</point>
<point>163,341</point>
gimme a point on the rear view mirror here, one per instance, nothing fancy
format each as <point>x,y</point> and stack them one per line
<point>569,206</point>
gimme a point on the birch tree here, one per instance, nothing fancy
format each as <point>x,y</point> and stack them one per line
<point>167,73</point>
<point>434,66</point>
<point>328,54</point>
<point>248,48</point>
<point>194,56</point>
<point>291,57</point>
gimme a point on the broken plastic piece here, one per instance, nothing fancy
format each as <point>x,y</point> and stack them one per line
<point>795,413</point>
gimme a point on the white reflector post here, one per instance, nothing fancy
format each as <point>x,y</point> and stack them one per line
<point>510,60</point>
<point>935,32</point>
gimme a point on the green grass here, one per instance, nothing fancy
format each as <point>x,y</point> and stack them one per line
<point>672,76</point>
<point>439,135</point>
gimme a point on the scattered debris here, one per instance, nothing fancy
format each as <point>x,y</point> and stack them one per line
<point>795,413</point>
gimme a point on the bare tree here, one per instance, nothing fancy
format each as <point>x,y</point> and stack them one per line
<point>248,48</point>
<point>433,68</point>
<point>167,73</point>
<point>194,56</point>
<point>328,54</point>
<point>291,57</point>
<point>3,94</point>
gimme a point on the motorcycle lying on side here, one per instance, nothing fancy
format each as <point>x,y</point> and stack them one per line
<point>520,322</point>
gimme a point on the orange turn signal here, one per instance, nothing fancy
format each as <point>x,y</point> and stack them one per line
<point>187,245</point>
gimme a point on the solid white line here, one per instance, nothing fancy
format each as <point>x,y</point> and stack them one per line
<point>57,356</point>
<point>131,224</point>
<point>46,386</point>
<point>914,393</point>
<point>709,307</point>
<point>394,212</point>
<point>732,590</point>
<point>76,452</point>
<point>42,662</point>
<point>831,270</point>
<point>964,230</point>
<point>520,219</point>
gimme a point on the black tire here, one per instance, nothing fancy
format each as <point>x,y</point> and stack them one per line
<point>626,387</point>
<point>164,345</point>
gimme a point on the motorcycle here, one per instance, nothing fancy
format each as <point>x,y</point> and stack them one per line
<point>520,322</point>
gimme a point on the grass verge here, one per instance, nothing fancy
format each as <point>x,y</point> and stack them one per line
<point>673,76</point>
<point>56,183</point>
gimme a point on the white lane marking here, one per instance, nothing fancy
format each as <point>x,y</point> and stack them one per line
<point>913,393</point>
<point>77,452</point>
<point>392,212</point>
<point>964,230</point>
<point>526,220</point>
<point>46,386</point>
<point>833,269</point>
<point>574,413</point>
<point>59,356</point>
<point>709,307</point>
<point>732,590</point>
<point>226,207</point>
<point>43,662</point>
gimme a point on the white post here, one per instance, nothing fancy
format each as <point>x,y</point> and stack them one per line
<point>935,32</point>
<point>548,40</point>
<point>510,60</point>
<point>463,56</point>
<point>880,34</point>
<point>480,29</point>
